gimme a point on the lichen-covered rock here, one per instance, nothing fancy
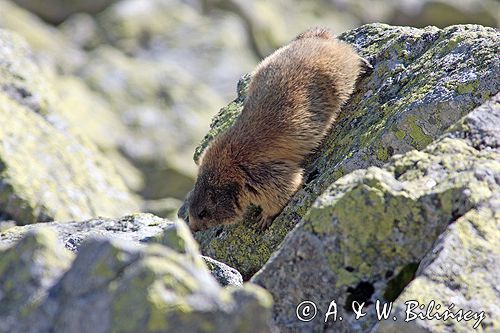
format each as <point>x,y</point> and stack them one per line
<point>424,80</point>
<point>462,266</point>
<point>47,175</point>
<point>225,275</point>
<point>53,49</point>
<point>132,228</point>
<point>118,286</point>
<point>27,270</point>
<point>365,235</point>
<point>462,269</point>
<point>138,228</point>
<point>177,236</point>
<point>31,78</point>
<point>50,170</point>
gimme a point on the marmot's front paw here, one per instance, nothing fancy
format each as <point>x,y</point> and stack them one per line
<point>264,222</point>
<point>366,67</point>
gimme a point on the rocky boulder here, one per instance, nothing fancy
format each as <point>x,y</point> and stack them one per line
<point>135,229</point>
<point>424,81</point>
<point>117,285</point>
<point>366,234</point>
<point>132,228</point>
<point>460,272</point>
<point>49,169</point>
<point>53,48</point>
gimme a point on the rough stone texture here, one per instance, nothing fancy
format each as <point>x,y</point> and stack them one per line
<point>53,48</point>
<point>116,285</point>
<point>27,270</point>
<point>424,80</point>
<point>55,172</point>
<point>225,275</point>
<point>365,235</point>
<point>138,228</point>
<point>462,266</point>
<point>462,269</point>
<point>132,228</point>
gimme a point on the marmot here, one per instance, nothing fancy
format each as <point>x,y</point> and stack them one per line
<point>294,96</point>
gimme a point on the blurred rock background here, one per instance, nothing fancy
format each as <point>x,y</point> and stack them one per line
<point>143,78</point>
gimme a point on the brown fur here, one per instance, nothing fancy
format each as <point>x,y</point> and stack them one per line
<point>294,96</point>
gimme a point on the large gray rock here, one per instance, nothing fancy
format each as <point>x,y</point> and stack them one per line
<point>366,234</point>
<point>49,168</point>
<point>132,228</point>
<point>462,268</point>
<point>424,80</point>
<point>116,285</point>
<point>135,229</point>
<point>27,270</point>
<point>53,48</point>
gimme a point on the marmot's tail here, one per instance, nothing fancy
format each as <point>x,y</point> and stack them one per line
<point>316,33</point>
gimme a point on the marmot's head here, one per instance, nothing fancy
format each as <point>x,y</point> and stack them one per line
<point>214,200</point>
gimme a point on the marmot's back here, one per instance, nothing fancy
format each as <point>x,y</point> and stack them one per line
<point>296,93</point>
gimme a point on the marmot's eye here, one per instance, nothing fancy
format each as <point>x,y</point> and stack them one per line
<point>202,214</point>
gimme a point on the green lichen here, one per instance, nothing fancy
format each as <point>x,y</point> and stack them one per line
<point>420,139</point>
<point>469,244</point>
<point>382,154</point>
<point>467,87</point>
<point>400,134</point>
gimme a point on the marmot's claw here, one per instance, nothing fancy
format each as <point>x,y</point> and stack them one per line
<point>263,223</point>
<point>366,67</point>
